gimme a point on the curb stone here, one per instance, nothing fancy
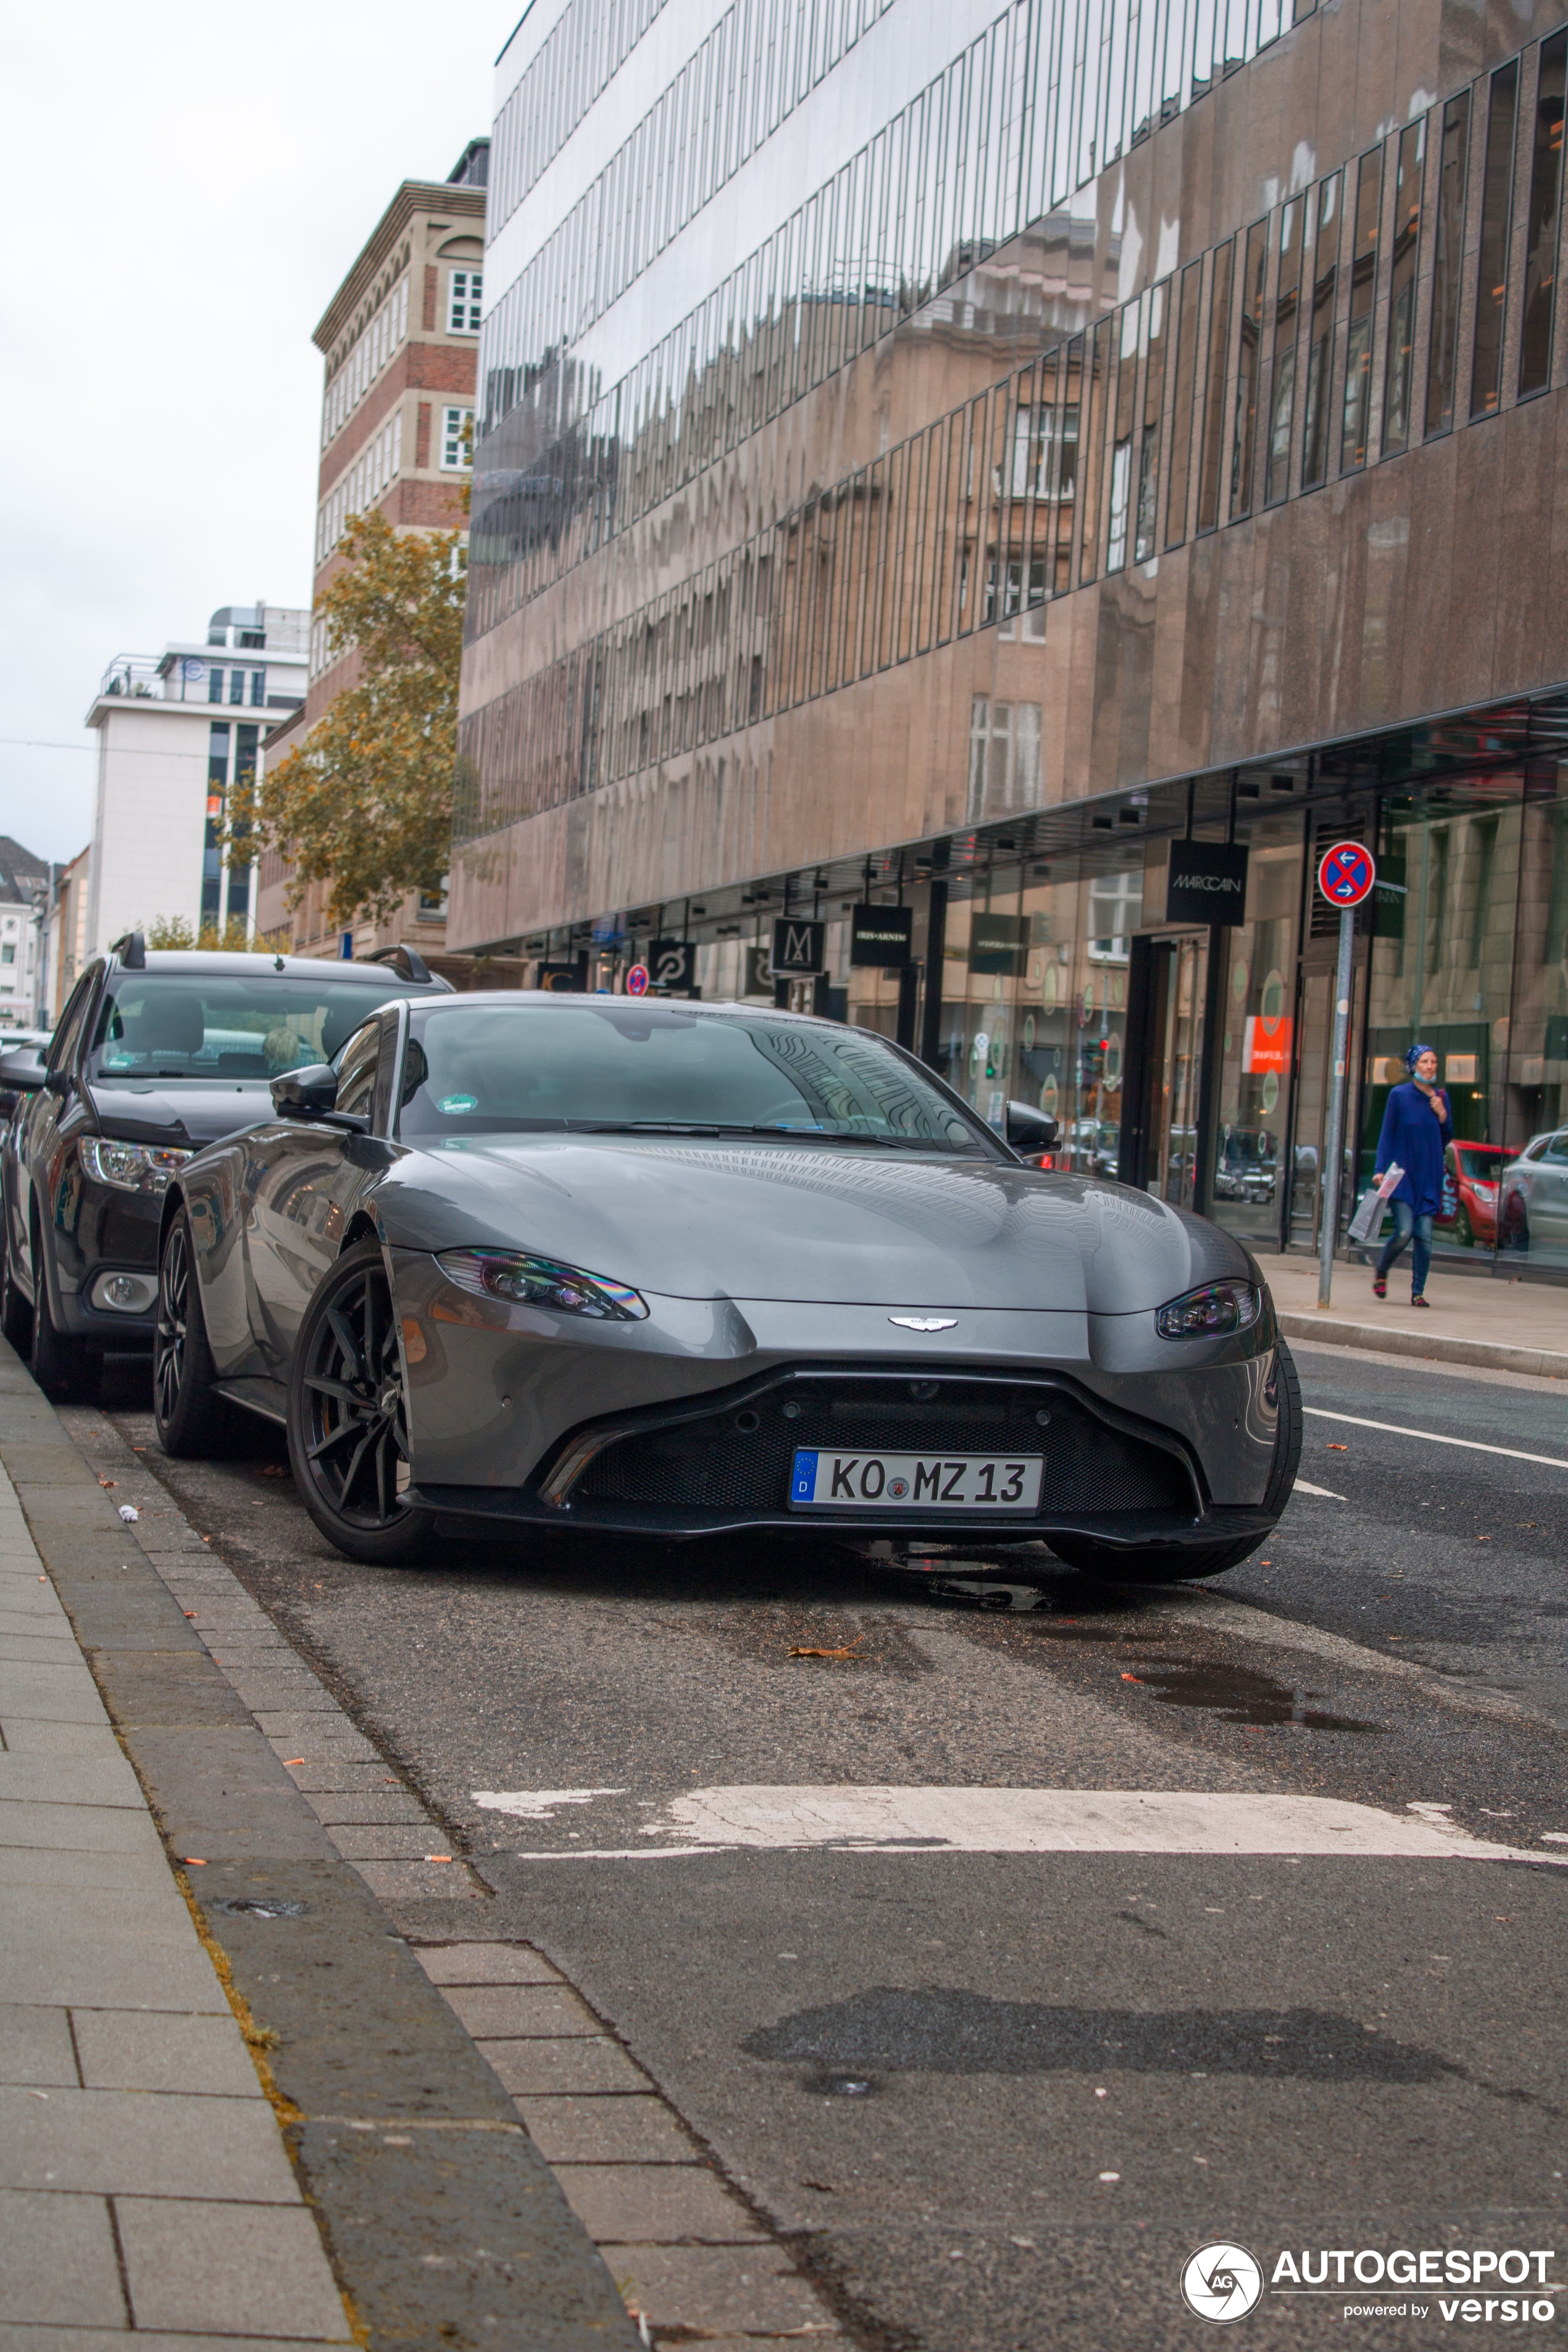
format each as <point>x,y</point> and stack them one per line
<point>442,2222</point>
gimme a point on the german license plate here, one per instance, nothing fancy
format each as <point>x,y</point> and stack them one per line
<point>915,1482</point>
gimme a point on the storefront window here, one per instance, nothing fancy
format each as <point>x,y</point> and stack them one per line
<point>1258,1041</point>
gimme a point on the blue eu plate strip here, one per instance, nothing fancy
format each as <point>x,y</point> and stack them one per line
<point>803,1479</point>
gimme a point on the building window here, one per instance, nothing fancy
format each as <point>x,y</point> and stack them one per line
<point>214,685</point>
<point>1004,756</point>
<point>463,304</point>
<point>8,953</point>
<point>258,690</point>
<point>454,452</point>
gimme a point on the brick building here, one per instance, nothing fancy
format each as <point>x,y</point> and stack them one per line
<point>400,337</point>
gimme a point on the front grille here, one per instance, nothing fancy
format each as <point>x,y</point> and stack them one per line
<point>722,1461</point>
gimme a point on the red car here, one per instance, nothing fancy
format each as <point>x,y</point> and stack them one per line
<point>1470,1174</point>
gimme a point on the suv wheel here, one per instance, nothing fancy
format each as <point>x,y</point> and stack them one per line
<point>62,1365</point>
<point>15,1314</point>
<point>348,1428</point>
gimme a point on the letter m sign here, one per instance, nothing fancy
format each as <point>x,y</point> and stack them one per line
<point>798,947</point>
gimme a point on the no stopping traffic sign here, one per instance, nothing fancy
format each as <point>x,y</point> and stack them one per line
<point>1346,873</point>
<point>637,980</point>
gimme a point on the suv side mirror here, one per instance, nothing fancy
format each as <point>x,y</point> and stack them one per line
<point>1030,1131</point>
<point>307,1093</point>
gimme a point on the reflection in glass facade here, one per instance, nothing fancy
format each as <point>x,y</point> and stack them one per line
<point>946,455</point>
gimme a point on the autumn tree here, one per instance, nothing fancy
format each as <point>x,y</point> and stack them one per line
<point>364,804</point>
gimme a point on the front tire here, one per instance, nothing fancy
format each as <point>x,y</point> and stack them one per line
<point>15,1314</point>
<point>1163,1567</point>
<point>190,1417</point>
<point>60,1363</point>
<point>348,1428</point>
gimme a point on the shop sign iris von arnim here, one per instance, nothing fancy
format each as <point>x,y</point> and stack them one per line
<point>1443,2286</point>
<point>1207,883</point>
<point>880,936</point>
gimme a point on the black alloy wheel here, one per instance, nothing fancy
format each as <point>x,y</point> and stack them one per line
<point>15,1312</point>
<point>1165,1567</point>
<point>190,1417</point>
<point>60,1364</point>
<point>348,1423</point>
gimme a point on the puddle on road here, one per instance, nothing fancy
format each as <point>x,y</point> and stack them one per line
<point>1239,1694</point>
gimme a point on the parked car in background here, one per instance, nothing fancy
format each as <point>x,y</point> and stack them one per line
<point>1248,1164</point>
<point>1532,1194</point>
<point>1471,1175</point>
<point>155,1056</point>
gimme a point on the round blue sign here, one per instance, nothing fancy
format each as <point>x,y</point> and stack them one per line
<point>637,980</point>
<point>1346,873</point>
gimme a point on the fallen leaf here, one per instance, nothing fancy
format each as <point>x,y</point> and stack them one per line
<point>107,1482</point>
<point>190,1612</point>
<point>197,1861</point>
<point>1132,1678</point>
<point>289,1760</point>
<point>846,1653</point>
<point>1333,1446</point>
<point>438,1857</point>
<point>827,2187</point>
<point>1483,1539</point>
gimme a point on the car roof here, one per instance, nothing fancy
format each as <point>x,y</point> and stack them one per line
<point>331,971</point>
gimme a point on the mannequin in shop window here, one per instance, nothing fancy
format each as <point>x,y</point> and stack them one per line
<point>1416,1128</point>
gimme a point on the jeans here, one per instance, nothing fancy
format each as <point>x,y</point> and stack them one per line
<point>1406,1224</point>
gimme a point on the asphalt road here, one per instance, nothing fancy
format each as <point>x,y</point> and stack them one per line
<point>998,2098</point>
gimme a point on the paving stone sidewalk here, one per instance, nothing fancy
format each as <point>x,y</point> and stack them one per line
<point>144,2183</point>
<point>1472,1319</point>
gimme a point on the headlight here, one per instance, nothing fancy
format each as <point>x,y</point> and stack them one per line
<point>541,1282</point>
<point>129,1166</point>
<point>1210,1313</point>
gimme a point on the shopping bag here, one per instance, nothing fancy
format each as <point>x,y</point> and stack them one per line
<point>1371,1206</point>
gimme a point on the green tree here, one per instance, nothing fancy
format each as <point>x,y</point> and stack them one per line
<point>365,803</point>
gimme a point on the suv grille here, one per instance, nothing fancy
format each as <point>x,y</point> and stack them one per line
<point>723,1462</point>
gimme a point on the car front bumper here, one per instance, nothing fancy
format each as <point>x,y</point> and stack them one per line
<point>499,1397</point>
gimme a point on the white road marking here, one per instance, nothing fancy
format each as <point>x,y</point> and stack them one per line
<point>1305,1486</point>
<point>538,1804</point>
<point>893,1820</point>
<point>1433,1437</point>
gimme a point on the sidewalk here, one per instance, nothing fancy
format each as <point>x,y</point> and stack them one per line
<point>1512,1326</point>
<point>143,2179</point>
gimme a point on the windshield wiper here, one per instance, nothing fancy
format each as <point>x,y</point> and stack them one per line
<point>736,1127</point>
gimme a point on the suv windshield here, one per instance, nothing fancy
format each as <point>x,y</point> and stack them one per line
<point>617,1066</point>
<point>195,1025</point>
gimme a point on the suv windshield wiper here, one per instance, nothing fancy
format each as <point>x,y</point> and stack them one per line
<point>737,1127</point>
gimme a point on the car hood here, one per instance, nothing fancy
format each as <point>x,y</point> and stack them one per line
<point>178,1111</point>
<point>822,1222</point>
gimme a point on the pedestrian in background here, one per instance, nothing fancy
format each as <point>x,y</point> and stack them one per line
<point>1416,1128</point>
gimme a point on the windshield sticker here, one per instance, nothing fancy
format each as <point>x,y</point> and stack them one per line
<point>454,1105</point>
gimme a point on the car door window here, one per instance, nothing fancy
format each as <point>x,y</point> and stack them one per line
<point>356,1071</point>
<point>1556,1151</point>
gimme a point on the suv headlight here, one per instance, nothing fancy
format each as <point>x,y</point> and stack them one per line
<point>129,1166</point>
<point>525,1281</point>
<point>1210,1313</point>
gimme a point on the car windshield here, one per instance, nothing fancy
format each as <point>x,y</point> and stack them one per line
<point>620,1067</point>
<point>197,1025</point>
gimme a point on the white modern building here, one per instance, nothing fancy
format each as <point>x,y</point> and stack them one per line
<point>176,731</point>
<point>24,900</point>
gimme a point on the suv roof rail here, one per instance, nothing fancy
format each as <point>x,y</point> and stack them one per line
<point>406,959</point>
<point>131,949</point>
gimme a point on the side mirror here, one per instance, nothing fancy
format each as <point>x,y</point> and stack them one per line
<point>307,1093</point>
<point>1030,1131</point>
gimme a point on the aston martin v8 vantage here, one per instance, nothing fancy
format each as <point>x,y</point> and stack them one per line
<point>523,1264</point>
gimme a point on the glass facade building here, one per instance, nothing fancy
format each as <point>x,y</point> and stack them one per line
<point>948,457</point>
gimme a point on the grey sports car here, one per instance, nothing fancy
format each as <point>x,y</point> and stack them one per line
<point>524,1263</point>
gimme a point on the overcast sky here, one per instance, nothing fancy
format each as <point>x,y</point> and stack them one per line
<point>191,187</point>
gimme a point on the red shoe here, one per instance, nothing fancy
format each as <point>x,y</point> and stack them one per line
<point>1419,1301</point>
<point>1380,1286</point>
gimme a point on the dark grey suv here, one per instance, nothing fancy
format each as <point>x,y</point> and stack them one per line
<point>155,1054</point>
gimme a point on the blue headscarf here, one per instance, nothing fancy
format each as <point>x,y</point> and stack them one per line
<point>1414,1054</point>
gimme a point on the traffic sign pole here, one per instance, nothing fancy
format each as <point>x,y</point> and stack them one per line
<point>1346,872</point>
<point>1334,1147</point>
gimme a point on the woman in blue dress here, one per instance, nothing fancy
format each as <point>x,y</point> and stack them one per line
<point>1416,1129</point>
